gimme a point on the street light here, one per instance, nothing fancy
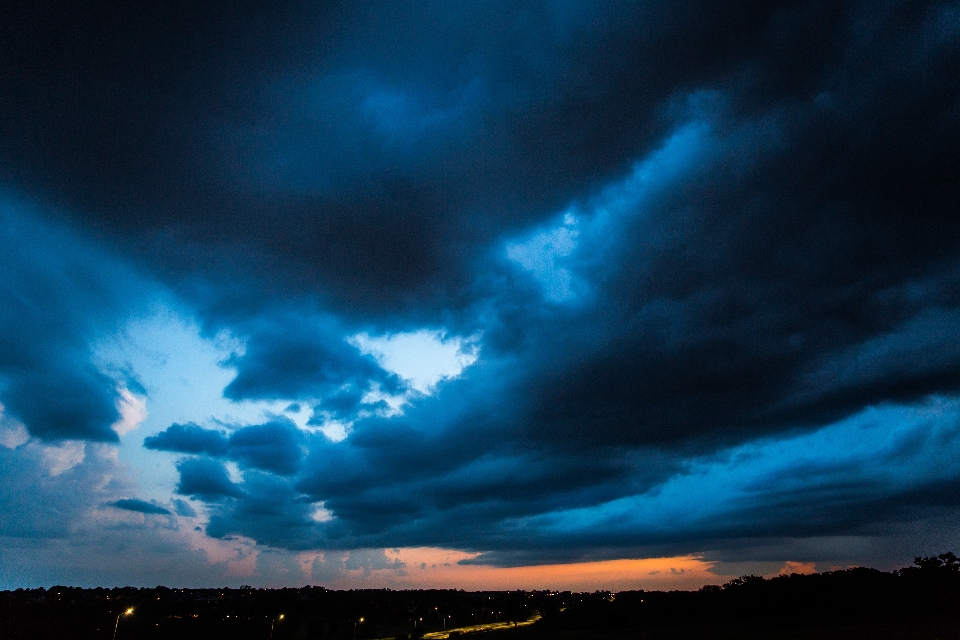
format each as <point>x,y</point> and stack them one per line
<point>128,612</point>
<point>355,627</point>
<point>280,617</point>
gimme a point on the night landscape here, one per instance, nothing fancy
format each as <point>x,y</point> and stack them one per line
<point>543,319</point>
<point>915,602</point>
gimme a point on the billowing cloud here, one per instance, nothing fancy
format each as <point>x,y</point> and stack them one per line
<point>189,438</point>
<point>59,292</point>
<point>297,358</point>
<point>205,478</point>
<point>274,446</point>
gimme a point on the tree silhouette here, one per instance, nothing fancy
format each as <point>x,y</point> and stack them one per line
<point>943,562</point>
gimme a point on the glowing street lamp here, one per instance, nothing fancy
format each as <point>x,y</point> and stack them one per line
<point>355,627</point>
<point>280,617</point>
<point>128,612</point>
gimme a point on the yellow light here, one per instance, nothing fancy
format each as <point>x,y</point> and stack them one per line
<point>361,619</point>
<point>281,617</point>
<point>129,611</point>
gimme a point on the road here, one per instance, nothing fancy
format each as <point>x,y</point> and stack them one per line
<point>476,628</point>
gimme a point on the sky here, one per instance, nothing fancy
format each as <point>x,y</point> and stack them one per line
<point>554,295</point>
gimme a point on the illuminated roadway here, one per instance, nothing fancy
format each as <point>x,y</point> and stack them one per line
<point>476,628</point>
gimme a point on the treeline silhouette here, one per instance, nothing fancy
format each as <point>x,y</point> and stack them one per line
<point>922,601</point>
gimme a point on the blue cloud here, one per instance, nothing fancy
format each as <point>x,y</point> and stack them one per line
<point>306,358</point>
<point>274,446</point>
<point>189,438</point>
<point>36,506</point>
<point>270,512</point>
<point>884,464</point>
<point>183,508</point>
<point>343,404</point>
<point>205,479</point>
<point>140,506</point>
<point>60,292</point>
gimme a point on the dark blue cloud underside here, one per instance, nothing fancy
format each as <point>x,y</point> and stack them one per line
<point>58,292</point>
<point>189,438</point>
<point>292,357</point>
<point>140,506</point>
<point>274,446</point>
<point>519,115</point>
<point>270,512</point>
<point>206,479</point>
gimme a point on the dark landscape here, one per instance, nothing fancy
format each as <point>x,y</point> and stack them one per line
<point>914,602</point>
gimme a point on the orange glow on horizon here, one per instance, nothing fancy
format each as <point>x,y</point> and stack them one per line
<point>432,568</point>
<point>798,567</point>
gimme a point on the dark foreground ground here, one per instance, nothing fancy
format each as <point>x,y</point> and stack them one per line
<point>917,603</point>
<point>942,630</point>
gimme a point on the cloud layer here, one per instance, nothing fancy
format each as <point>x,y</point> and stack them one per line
<point>708,259</point>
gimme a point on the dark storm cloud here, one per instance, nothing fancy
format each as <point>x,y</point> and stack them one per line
<point>887,470</point>
<point>366,152</point>
<point>140,506</point>
<point>342,405</point>
<point>189,438</point>
<point>301,357</point>
<point>59,292</point>
<point>206,479</point>
<point>271,512</point>
<point>763,242</point>
<point>857,478</point>
<point>275,446</point>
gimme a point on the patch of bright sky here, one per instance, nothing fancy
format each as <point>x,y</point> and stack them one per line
<point>336,430</point>
<point>550,254</point>
<point>233,471</point>
<point>541,255</point>
<point>892,449</point>
<point>422,358</point>
<point>184,377</point>
<point>12,432</point>
<point>320,513</point>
